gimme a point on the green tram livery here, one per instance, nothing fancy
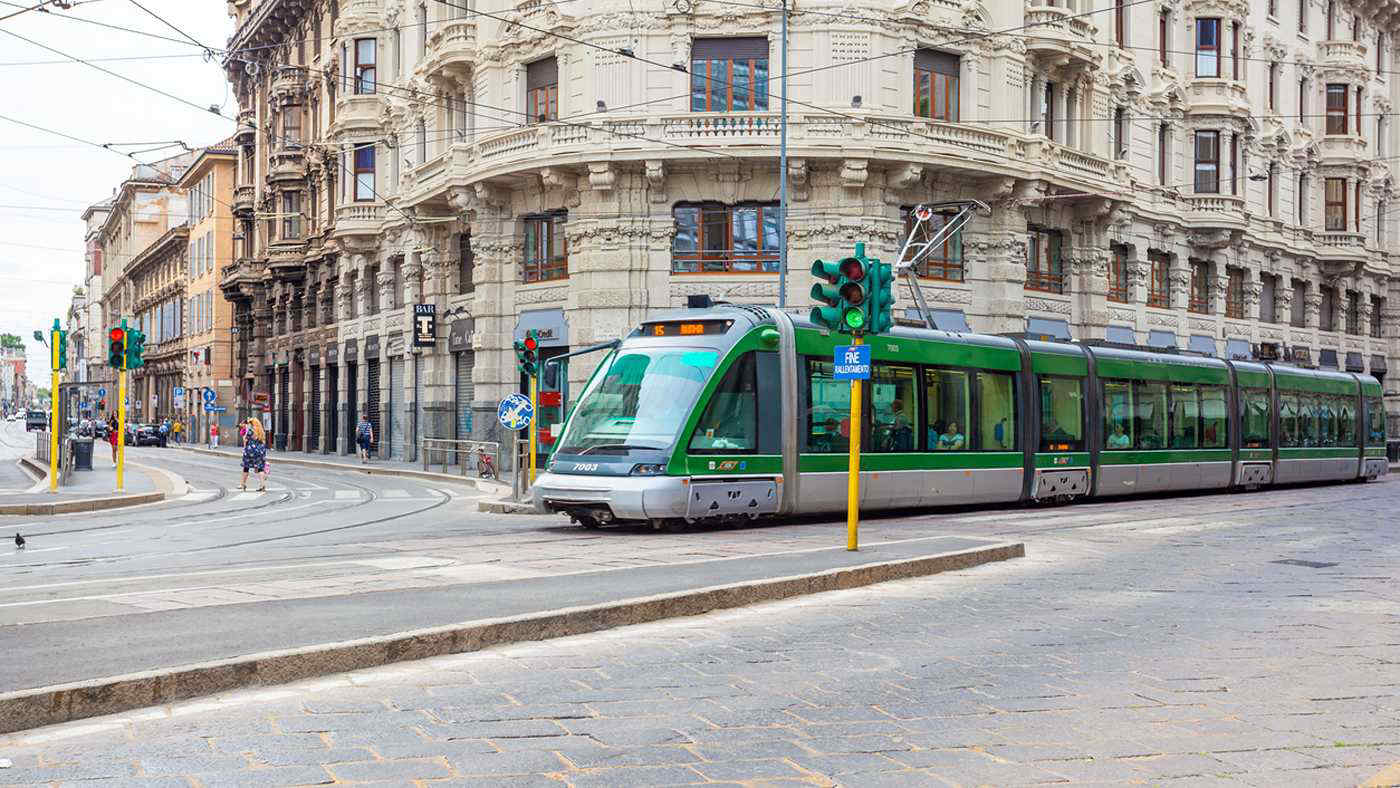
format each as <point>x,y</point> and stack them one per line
<point>733,412</point>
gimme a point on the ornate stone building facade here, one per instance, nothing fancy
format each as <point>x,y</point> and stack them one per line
<point>1211,175</point>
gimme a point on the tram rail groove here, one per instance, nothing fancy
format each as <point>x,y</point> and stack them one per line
<point>51,705</point>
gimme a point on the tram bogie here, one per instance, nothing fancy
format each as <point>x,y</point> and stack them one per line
<point>732,414</point>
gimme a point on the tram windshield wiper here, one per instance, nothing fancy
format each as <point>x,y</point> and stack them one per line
<point>617,447</point>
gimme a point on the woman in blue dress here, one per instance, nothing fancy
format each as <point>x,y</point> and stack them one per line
<point>254,454</point>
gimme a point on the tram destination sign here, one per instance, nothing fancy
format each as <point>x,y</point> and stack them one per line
<point>852,362</point>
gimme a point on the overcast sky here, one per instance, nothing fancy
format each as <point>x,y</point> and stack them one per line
<point>47,181</point>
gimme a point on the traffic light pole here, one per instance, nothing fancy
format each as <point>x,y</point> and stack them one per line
<point>534,422</point>
<point>53,408</point>
<point>121,415</point>
<point>853,474</point>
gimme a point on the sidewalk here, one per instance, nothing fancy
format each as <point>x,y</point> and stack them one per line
<point>88,491</point>
<point>343,462</point>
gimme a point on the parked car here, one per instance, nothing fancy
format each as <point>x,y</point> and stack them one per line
<point>144,435</point>
<point>36,420</point>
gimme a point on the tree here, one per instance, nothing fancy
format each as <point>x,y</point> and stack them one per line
<point>11,341</point>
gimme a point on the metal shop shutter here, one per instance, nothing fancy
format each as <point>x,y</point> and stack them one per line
<point>313,427</point>
<point>396,409</point>
<point>372,401</point>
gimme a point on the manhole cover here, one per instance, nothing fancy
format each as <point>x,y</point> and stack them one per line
<point>1308,564</point>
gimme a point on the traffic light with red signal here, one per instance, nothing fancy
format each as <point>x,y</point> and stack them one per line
<point>116,348</point>
<point>527,353</point>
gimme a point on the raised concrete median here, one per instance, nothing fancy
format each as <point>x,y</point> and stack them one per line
<point>210,650</point>
<point>92,491</point>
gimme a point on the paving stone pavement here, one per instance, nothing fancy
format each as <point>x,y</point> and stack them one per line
<point>1145,642</point>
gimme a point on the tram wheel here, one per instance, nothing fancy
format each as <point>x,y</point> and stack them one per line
<point>588,522</point>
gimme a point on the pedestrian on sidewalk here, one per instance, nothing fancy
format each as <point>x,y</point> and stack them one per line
<point>178,427</point>
<point>214,435</point>
<point>113,437</point>
<point>364,437</point>
<point>254,454</point>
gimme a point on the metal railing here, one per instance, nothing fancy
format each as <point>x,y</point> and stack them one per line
<point>459,452</point>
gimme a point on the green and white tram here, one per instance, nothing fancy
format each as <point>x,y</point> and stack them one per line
<point>733,412</point>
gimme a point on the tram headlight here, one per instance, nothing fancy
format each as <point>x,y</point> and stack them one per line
<point>648,469</point>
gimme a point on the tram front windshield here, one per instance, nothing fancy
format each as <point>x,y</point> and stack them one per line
<point>638,401</point>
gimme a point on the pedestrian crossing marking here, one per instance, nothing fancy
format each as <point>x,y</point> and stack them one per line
<point>245,496</point>
<point>347,495</point>
<point>394,494</point>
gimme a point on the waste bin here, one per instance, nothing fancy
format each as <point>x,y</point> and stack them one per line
<point>82,454</point>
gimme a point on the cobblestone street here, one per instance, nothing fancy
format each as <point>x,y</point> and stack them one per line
<point>1237,639</point>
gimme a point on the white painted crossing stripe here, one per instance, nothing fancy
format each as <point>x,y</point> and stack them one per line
<point>347,495</point>
<point>395,494</point>
<point>246,496</point>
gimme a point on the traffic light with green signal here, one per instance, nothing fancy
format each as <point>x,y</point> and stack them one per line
<point>527,353</point>
<point>135,349</point>
<point>116,348</point>
<point>844,294</point>
<point>62,350</point>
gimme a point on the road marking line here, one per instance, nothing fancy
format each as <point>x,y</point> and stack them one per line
<point>29,550</point>
<point>242,515</point>
<point>347,495</point>
<point>394,494</point>
<point>246,496</point>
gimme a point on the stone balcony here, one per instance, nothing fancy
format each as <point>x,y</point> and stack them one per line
<point>358,112</point>
<point>289,85</point>
<point>246,133</point>
<point>362,219</point>
<point>452,52</point>
<point>1215,212</point>
<point>287,164</point>
<point>286,260</point>
<point>1345,54</point>
<point>1340,252</point>
<point>241,273</point>
<point>244,196</point>
<point>1217,97</point>
<point>1342,149</point>
<point>1059,34</point>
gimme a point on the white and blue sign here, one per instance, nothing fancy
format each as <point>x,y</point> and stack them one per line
<point>215,408</point>
<point>101,393</point>
<point>852,362</point>
<point>515,412</point>
<point>178,391</point>
<point>209,395</point>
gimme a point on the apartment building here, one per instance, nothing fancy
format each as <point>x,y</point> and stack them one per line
<point>93,342</point>
<point>208,316</point>
<point>1209,175</point>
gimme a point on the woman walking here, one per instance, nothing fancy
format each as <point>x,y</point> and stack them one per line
<point>254,454</point>
<point>112,437</point>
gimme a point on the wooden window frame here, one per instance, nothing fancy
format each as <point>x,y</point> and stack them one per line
<point>366,71</point>
<point>1207,168</point>
<point>1046,276</point>
<point>1234,294</point>
<point>1047,110</point>
<point>1120,24</point>
<point>1357,209</point>
<point>1234,165</point>
<point>718,91</point>
<point>1202,23</point>
<point>1118,274</point>
<point>1273,87</point>
<point>1235,51</point>
<point>544,98</point>
<point>1353,309</point>
<point>1120,133</point>
<point>358,169</point>
<point>291,225</point>
<point>1331,18</point>
<point>1272,196</point>
<point>1163,137</point>
<point>1159,280</point>
<point>1198,299</point>
<point>1334,213</point>
<point>927,85</point>
<point>541,264</point>
<point>1357,111</point>
<point>724,258</point>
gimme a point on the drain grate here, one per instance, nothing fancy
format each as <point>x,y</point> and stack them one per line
<point>1308,564</point>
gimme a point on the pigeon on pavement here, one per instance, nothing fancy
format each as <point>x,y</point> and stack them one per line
<point>19,542</point>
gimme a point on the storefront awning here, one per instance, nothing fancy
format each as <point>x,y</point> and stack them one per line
<point>1161,339</point>
<point>1238,350</point>
<point>1201,343</point>
<point>1327,359</point>
<point>1122,334</point>
<point>1040,328</point>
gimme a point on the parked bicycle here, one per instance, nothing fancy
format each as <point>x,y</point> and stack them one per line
<point>485,467</point>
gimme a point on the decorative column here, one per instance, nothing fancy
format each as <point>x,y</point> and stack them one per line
<point>1179,282</point>
<point>1000,244</point>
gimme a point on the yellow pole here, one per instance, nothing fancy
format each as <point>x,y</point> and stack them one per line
<point>534,422</point>
<point>53,423</point>
<point>853,475</point>
<point>121,429</point>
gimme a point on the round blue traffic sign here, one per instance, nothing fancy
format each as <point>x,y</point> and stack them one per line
<point>515,412</point>
<point>209,395</point>
<point>101,393</point>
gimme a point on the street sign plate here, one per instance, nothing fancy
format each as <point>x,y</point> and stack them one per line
<point>852,362</point>
<point>215,408</point>
<point>210,395</point>
<point>178,391</point>
<point>424,325</point>
<point>515,412</point>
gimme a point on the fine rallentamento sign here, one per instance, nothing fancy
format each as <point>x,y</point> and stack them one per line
<point>852,362</point>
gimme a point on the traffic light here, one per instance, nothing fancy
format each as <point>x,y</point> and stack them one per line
<point>846,293</point>
<point>527,353</point>
<point>881,310</point>
<point>116,348</point>
<point>135,348</point>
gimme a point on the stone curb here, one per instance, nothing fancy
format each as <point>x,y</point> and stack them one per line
<point>80,505</point>
<point>505,507</point>
<point>67,702</point>
<point>369,470</point>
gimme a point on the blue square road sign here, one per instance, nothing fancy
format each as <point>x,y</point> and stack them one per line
<point>852,362</point>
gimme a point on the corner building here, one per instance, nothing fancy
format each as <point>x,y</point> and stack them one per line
<point>1211,175</point>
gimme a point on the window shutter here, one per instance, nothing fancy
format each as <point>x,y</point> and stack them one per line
<point>938,62</point>
<point>541,73</point>
<point>729,48</point>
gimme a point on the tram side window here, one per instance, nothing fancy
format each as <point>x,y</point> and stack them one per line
<point>1375,422</point>
<point>829,416</point>
<point>996,403</point>
<point>1326,420</point>
<point>947,395</point>
<point>1214,424</point>
<point>1346,421</point>
<point>730,422</point>
<point>1254,415</point>
<point>894,413</point>
<point>1307,420</point>
<point>1186,418</point>
<point>1151,414</point>
<point>1061,414</point>
<point>1289,421</point>
<point>1118,415</point>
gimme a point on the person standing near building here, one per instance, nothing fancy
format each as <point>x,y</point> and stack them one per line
<point>254,454</point>
<point>213,434</point>
<point>178,428</point>
<point>364,437</point>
